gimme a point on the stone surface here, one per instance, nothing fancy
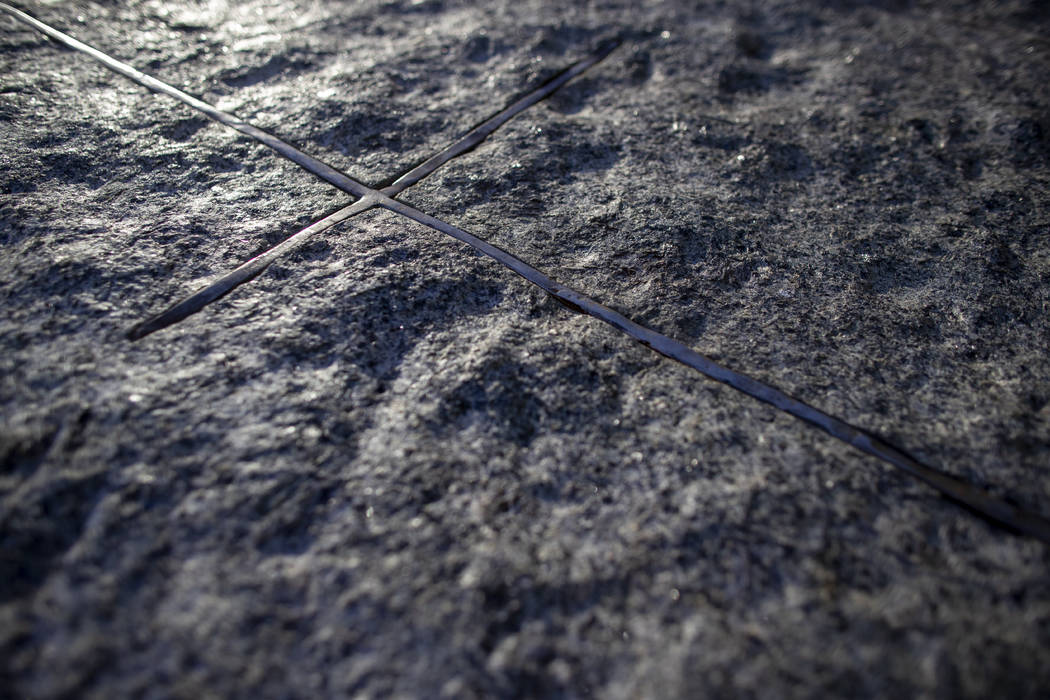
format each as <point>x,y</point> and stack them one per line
<point>390,467</point>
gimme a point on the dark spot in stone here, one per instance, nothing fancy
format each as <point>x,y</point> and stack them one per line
<point>394,256</point>
<point>151,163</point>
<point>317,249</point>
<point>249,75</point>
<point>224,164</point>
<point>739,79</point>
<point>183,129</point>
<point>479,48</point>
<point>41,528</point>
<point>570,152</point>
<point>922,129</point>
<point>957,131</point>
<point>1031,143</point>
<point>17,186</point>
<point>70,166</point>
<point>1002,261</point>
<point>563,39</point>
<point>1036,402</point>
<point>22,450</point>
<point>787,160</point>
<point>752,45</point>
<point>8,111</point>
<point>353,131</point>
<point>743,79</point>
<point>288,513</point>
<point>503,612</point>
<point>571,98</point>
<point>1032,12</point>
<point>639,67</point>
<point>970,166</point>
<point>500,398</point>
<point>859,159</point>
<point>1007,201</point>
<point>890,6</point>
<point>383,323</point>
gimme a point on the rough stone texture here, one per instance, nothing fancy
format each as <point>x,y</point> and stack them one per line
<point>390,468</point>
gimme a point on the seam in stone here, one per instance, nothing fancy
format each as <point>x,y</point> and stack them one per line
<point>253,268</point>
<point>970,496</point>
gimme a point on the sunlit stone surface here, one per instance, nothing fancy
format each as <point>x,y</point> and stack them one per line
<point>388,467</point>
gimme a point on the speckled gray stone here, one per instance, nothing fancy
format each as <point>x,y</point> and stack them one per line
<point>388,467</point>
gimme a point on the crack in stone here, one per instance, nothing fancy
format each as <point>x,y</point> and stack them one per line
<point>968,495</point>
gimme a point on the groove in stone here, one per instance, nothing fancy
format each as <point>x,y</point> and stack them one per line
<point>996,510</point>
<point>251,269</point>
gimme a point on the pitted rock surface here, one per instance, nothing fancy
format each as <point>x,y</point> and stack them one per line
<point>387,467</point>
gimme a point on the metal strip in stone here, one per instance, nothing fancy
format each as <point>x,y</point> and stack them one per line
<point>997,510</point>
<point>253,268</point>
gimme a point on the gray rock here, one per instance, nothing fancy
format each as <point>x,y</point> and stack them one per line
<point>389,467</point>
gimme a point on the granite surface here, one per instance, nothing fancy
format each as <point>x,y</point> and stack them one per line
<point>390,468</point>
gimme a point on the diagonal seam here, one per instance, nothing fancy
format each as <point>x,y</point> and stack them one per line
<point>244,273</point>
<point>997,510</point>
<point>251,269</point>
<point>303,160</point>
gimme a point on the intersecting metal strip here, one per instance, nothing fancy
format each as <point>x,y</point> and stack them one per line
<point>247,271</point>
<point>995,509</point>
